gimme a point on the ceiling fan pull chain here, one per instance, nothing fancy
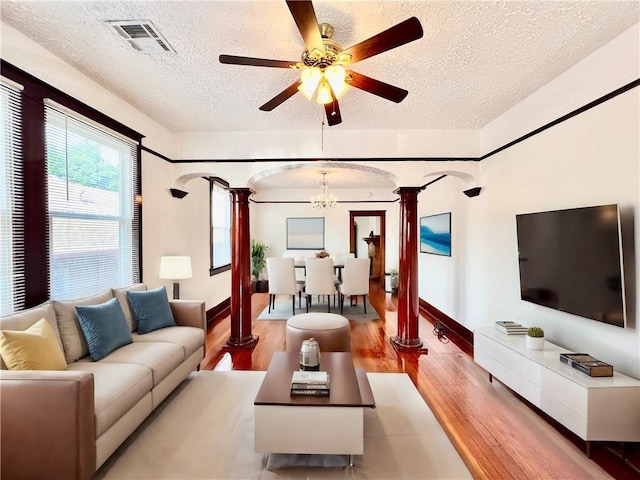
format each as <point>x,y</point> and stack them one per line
<point>322,132</point>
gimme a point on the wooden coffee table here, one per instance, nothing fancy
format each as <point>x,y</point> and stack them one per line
<point>312,425</point>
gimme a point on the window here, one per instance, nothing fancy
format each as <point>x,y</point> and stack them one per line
<point>220,200</point>
<point>93,226</point>
<point>12,280</point>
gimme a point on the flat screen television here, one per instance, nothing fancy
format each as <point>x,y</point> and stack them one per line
<point>571,260</point>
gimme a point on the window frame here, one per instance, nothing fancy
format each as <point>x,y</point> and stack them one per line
<point>35,92</point>
<point>65,128</point>
<point>214,270</point>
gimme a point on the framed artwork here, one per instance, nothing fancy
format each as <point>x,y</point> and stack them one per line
<point>435,234</point>
<point>305,233</point>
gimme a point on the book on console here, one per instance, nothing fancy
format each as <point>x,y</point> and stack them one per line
<point>510,328</point>
<point>310,386</point>
<point>507,323</point>
<point>585,363</point>
<point>309,378</point>
<point>311,392</point>
<point>512,331</point>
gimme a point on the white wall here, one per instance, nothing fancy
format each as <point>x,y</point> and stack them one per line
<point>173,226</point>
<point>441,278</point>
<point>337,144</point>
<point>268,221</point>
<point>591,159</point>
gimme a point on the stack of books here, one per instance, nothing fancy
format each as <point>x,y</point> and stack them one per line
<point>585,363</point>
<point>510,328</point>
<point>310,383</point>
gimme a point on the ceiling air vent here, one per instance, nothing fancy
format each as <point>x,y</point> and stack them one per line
<point>142,35</point>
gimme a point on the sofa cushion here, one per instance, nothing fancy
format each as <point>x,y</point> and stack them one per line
<point>117,388</point>
<point>26,318</point>
<point>151,309</point>
<point>35,348</point>
<point>73,341</point>
<point>104,327</point>
<point>189,338</point>
<point>121,295</point>
<point>161,358</point>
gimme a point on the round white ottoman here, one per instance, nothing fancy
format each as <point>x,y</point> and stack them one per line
<point>330,330</point>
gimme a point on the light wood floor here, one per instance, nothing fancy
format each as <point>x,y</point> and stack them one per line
<point>497,435</point>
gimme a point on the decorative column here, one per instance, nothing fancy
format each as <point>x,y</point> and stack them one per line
<point>408,306</point>
<point>240,271</point>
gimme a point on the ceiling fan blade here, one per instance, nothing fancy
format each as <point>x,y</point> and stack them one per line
<point>398,35</point>
<point>332,110</point>
<point>287,93</point>
<point>381,89</point>
<point>254,62</point>
<point>305,18</point>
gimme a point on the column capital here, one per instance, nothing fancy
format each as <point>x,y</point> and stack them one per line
<point>408,190</point>
<point>246,190</point>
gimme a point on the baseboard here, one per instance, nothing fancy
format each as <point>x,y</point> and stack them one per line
<point>223,309</point>
<point>454,331</point>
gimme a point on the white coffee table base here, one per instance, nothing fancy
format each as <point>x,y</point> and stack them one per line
<point>309,430</point>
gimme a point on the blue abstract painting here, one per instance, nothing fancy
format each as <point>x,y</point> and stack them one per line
<point>435,234</point>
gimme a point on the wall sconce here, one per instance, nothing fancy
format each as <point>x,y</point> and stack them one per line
<point>177,193</point>
<point>175,268</point>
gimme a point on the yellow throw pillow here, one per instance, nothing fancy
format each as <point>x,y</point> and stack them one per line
<point>35,348</point>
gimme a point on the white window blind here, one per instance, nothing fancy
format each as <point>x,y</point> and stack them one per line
<point>220,225</point>
<point>93,239</point>
<point>12,281</point>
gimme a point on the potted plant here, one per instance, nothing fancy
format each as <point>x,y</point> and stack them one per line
<point>393,274</point>
<point>258,262</point>
<point>535,338</point>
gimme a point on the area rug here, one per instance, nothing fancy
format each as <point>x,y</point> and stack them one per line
<point>283,310</point>
<point>205,431</point>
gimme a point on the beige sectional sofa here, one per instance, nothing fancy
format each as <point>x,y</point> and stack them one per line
<point>65,424</point>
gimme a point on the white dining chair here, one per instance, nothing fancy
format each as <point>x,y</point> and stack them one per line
<point>319,280</point>
<point>282,281</point>
<point>339,258</point>
<point>355,281</point>
<point>298,258</point>
<point>338,262</point>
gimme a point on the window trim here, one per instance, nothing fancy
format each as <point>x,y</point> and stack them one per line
<point>223,268</point>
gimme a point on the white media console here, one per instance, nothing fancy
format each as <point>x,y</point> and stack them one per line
<point>595,409</point>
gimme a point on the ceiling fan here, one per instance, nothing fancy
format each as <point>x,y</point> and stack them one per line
<point>322,68</point>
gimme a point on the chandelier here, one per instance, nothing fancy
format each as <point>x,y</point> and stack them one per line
<point>323,73</point>
<point>324,201</point>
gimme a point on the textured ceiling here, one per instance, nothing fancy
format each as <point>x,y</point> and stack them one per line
<point>476,59</point>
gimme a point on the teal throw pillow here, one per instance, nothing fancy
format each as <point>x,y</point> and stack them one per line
<point>104,327</point>
<point>151,310</point>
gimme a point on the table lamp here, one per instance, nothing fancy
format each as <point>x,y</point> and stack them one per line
<point>175,268</point>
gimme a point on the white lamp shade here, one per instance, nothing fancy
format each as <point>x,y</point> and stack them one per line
<point>175,268</point>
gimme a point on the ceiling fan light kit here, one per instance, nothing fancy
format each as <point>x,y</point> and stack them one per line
<point>323,72</point>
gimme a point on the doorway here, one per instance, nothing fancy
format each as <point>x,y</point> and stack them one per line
<point>369,227</point>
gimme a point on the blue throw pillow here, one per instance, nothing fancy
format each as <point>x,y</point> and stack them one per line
<point>151,310</point>
<point>104,327</point>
